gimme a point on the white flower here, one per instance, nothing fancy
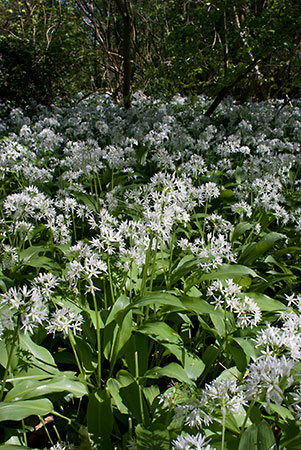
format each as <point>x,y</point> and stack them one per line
<point>270,376</point>
<point>242,208</point>
<point>225,394</point>
<point>190,442</point>
<point>64,320</point>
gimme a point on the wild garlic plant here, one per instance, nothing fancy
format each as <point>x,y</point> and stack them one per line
<point>150,267</point>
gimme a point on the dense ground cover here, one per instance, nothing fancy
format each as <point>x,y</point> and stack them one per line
<point>150,276</point>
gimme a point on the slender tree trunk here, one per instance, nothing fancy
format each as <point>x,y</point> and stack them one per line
<point>226,89</point>
<point>125,10</point>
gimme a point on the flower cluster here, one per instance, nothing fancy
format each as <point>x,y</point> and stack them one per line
<point>228,295</point>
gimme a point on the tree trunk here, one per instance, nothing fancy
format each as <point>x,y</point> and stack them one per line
<point>125,10</point>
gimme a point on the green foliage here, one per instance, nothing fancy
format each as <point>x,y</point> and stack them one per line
<point>148,296</point>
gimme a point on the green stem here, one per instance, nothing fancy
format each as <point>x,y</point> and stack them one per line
<point>246,418</point>
<point>95,187</point>
<point>130,285</point>
<point>153,266</point>
<point>223,429</point>
<point>98,337</point>
<point>57,433</point>
<point>110,279</point>
<point>105,294</point>
<point>144,273</point>
<point>99,182</point>
<point>73,345</point>
<point>139,387</point>
<point>74,227</point>
<point>46,430</point>
<point>24,433</point>
<point>205,214</point>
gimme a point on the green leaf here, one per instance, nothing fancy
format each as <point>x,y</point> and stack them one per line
<point>113,387</point>
<point>31,257</point>
<point>19,410</point>
<point>87,356</point>
<point>247,348</point>
<point>160,331</point>
<point>159,299</point>
<point>264,302</point>
<point>240,229</point>
<point>257,436</point>
<point>152,440</point>
<point>172,370</point>
<point>121,303</point>
<point>186,265</point>
<point>100,419</point>
<point>13,447</point>
<point>290,436</point>
<point>28,389</point>
<point>193,365</point>
<point>238,355</point>
<point>280,410</point>
<point>163,333</point>
<point>151,393</point>
<point>39,352</point>
<point>227,271</point>
<point>198,305</point>
<point>121,337</point>
<point>255,250</point>
<point>129,392</point>
<point>31,252</point>
<point>40,360</point>
<point>224,272</point>
<point>138,343</point>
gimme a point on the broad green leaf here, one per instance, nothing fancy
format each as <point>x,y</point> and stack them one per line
<point>257,436</point>
<point>238,356</point>
<point>19,410</point>
<point>198,305</point>
<point>121,303</point>
<point>186,265</point>
<point>41,353</point>
<point>152,440</point>
<point>87,356</point>
<point>32,388</point>
<point>151,393</point>
<point>231,423</point>
<point>31,257</point>
<point>32,252</point>
<point>219,324</point>
<point>160,331</point>
<point>247,348</point>
<point>264,302</point>
<point>210,355</point>
<point>159,299</point>
<point>100,419</point>
<point>280,410</point>
<point>240,229</point>
<point>172,370</point>
<point>224,272</point>
<point>113,387</point>
<point>255,250</point>
<point>121,336</point>
<point>40,360</point>
<point>141,154</point>
<point>227,271</point>
<point>129,392</point>
<point>138,343</point>
<point>13,447</point>
<point>290,435</point>
<point>193,365</point>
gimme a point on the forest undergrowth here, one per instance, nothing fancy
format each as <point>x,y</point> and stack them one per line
<point>150,276</point>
